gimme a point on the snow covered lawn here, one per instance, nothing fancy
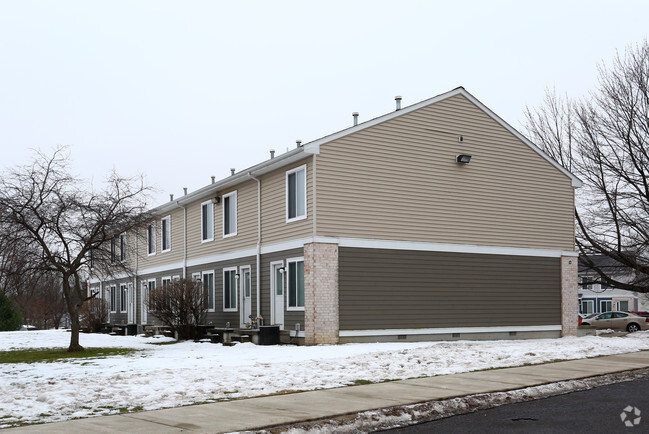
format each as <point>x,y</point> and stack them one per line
<point>188,372</point>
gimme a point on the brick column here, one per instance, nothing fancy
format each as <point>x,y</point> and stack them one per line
<point>569,296</point>
<point>320,293</point>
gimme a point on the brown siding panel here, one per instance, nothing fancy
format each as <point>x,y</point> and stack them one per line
<point>382,289</point>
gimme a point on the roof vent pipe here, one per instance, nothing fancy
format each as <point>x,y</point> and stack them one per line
<point>299,142</point>
<point>232,171</point>
<point>398,100</point>
<point>355,114</point>
<point>272,154</point>
<point>185,190</point>
<point>171,197</point>
<point>213,179</point>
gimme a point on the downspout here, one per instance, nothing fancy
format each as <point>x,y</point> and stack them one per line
<point>258,241</point>
<point>314,199</point>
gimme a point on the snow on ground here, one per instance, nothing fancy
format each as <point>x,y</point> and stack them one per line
<point>183,373</point>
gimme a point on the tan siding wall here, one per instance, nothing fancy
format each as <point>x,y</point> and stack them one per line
<point>273,199</point>
<point>175,255</point>
<point>246,224</point>
<point>404,171</point>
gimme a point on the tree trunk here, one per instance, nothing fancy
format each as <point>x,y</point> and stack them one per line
<point>74,336</point>
<point>73,309</point>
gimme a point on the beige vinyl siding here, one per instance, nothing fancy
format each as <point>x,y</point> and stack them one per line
<point>401,289</point>
<point>273,198</point>
<point>398,180</point>
<point>246,224</point>
<point>173,256</point>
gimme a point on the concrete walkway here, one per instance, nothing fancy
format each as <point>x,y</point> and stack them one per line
<point>257,413</point>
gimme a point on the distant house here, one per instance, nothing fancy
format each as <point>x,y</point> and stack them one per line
<point>434,221</point>
<point>596,296</point>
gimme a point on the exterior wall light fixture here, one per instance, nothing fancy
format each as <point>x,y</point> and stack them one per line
<point>463,158</point>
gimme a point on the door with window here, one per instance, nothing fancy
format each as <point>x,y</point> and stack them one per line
<point>130,295</point>
<point>277,293</point>
<point>246,295</point>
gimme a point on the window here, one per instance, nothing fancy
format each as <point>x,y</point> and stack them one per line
<point>296,194</point>
<point>166,281</point>
<point>230,214</point>
<point>165,225</point>
<point>113,298</point>
<point>122,247</point>
<point>605,305</point>
<point>122,297</point>
<point>295,284</point>
<point>623,305</point>
<point>208,286</point>
<point>586,282</point>
<point>113,250</point>
<point>230,289</point>
<point>207,221</point>
<point>150,239</point>
<point>587,306</point>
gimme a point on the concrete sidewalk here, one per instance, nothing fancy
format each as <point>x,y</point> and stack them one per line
<point>258,413</point>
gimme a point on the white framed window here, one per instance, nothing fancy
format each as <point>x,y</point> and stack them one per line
<point>122,247</point>
<point>165,229</point>
<point>605,305</point>
<point>622,305</point>
<point>165,281</point>
<point>150,239</point>
<point>122,298</point>
<point>295,284</point>
<point>230,214</point>
<point>113,250</point>
<point>113,299</point>
<point>230,289</point>
<point>296,194</point>
<point>587,306</point>
<point>207,221</point>
<point>208,286</point>
<point>586,282</point>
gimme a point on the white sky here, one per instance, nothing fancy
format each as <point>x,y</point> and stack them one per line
<point>180,91</point>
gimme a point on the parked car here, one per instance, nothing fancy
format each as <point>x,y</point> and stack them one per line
<point>617,321</point>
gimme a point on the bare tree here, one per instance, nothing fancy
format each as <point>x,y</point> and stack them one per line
<point>94,314</point>
<point>59,221</point>
<point>180,304</point>
<point>604,140</point>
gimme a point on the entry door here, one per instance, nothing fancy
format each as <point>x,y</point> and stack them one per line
<point>130,307</point>
<point>144,299</point>
<point>277,291</point>
<point>246,299</point>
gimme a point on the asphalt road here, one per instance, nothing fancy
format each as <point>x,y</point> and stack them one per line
<point>593,411</point>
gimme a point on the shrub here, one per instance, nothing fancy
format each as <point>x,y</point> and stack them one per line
<point>93,314</point>
<point>10,318</point>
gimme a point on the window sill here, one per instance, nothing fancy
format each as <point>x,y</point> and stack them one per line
<point>295,309</point>
<point>296,219</point>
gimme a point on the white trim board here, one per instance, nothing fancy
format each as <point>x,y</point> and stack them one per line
<point>451,330</point>
<point>363,243</point>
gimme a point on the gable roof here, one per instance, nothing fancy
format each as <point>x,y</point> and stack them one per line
<point>576,182</point>
<point>313,147</point>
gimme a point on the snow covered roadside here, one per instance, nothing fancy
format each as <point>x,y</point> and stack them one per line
<point>184,373</point>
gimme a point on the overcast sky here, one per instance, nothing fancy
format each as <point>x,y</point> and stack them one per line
<point>179,91</point>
